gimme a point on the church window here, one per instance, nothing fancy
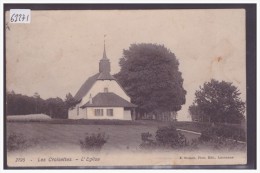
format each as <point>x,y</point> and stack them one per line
<point>105,90</point>
<point>110,112</point>
<point>98,112</point>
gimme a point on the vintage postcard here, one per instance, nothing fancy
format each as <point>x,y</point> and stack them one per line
<point>125,87</point>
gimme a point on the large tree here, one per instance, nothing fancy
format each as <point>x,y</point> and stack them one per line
<point>151,77</point>
<point>219,102</point>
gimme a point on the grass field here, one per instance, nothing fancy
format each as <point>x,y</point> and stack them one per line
<point>126,136</point>
<point>61,138</point>
<point>123,135</point>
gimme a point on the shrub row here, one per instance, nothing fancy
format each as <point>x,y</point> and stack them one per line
<point>166,137</point>
<point>216,137</point>
<point>221,131</point>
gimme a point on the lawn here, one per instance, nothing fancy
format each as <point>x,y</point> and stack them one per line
<point>62,138</point>
<point>58,135</point>
<point>122,134</point>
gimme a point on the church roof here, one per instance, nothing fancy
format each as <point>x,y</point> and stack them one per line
<point>108,100</point>
<point>90,82</point>
<point>86,87</point>
<point>105,76</point>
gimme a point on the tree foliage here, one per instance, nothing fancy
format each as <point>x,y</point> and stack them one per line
<point>70,101</point>
<point>18,104</point>
<point>56,108</point>
<point>151,77</point>
<point>219,102</point>
<point>197,114</point>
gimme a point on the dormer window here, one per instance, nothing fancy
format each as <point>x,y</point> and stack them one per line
<point>106,90</point>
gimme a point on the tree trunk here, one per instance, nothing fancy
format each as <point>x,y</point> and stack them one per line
<point>156,116</point>
<point>138,116</point>
<point>134,114</point>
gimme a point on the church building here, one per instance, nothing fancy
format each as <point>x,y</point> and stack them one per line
<point>102,97</point>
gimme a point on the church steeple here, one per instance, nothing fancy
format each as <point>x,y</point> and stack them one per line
<point>104,52</point>
<point>104,64</point>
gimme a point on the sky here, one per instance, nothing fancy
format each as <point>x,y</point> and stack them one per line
<point>55,53</point>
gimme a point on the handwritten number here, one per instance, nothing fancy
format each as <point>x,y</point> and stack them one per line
<point>12,19</point>
<point>23,17</point>
<point>19,17</point>
<point>16,17</point>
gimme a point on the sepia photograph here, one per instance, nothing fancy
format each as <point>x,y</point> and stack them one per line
<point>125,88</point>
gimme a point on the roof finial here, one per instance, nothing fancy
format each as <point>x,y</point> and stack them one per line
<point>104,53</point>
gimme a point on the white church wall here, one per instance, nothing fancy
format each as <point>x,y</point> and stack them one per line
<point>127,115</point>
<point>89,113</point>
<point>77,112</point>
<point>72,114</point>
<point>99,86</point>
<point>118,113</point>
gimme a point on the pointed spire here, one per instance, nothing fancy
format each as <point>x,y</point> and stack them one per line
<point>104,53</point>
<point>104,64</point>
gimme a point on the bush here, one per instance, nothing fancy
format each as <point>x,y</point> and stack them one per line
<point>220,143</point>
<point>170,137</point>
<point>94,142</point>
<point>194,144</point>
<point>166,137</point>
<point>17,141</point>
<point>147,142</point>
<point>228,132</point>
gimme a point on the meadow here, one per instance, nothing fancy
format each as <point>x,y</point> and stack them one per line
<point>122,135</point>
<point>126,135</point>
<point>36,139</point>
